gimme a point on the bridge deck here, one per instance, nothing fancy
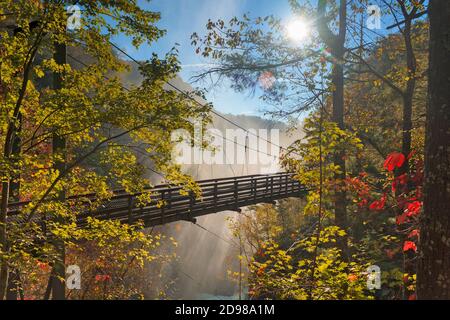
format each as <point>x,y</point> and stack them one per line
<point>217,195</point>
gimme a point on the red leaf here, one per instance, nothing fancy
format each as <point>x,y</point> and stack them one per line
<point>378,204</point>
<point>409,245</point>
<point>102,277</point>
<point>402,218</point>
<point>363,174</point>
<point>395,159</point>
<point>413,208</point>
<point>414,233</point>
<point>362,203</point>
<point>43,266</point>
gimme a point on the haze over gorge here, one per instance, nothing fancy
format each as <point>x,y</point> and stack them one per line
<point>205,258</point>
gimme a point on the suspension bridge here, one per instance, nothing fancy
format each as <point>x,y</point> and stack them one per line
<point>169,204</point>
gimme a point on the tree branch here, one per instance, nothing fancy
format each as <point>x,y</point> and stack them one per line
<point>74,164</point>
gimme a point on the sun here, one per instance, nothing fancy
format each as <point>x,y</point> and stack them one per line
<point>298,29</point>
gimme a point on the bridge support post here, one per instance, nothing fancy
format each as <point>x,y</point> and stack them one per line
<point>236,192</point>
<point>163,207</point>
<point>287,183</point>
<point>215,194</point>
<point>271,187</point>
<point>191,201</point>
<point>169,203</point>
<point>254,186</point>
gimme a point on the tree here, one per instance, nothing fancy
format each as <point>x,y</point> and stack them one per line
<point>255,53</point>
<point>433,280</point>
<point>403,79</point>
<point>292,268</point>
<point>376,112</point>
<point>336,45</point>
<point>103,123</point>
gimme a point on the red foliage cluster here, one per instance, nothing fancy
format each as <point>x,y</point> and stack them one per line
<point>378,204</point>
<point>409,245</point>
<point>414,233</point>
<point>43,266</point>
<point>399,182</point>
<point>358,185</point>
<point>102,277</point>
<point>405,188</point>
<point>413,208</point>
<point>395,159</point>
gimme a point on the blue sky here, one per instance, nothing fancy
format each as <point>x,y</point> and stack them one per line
<point>181,18</point>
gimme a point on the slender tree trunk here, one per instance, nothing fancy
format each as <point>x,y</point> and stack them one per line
<point>409,92</point>
<point>14,185</point>
<point>3,239</point>
<point>12,149</point>
<point>59,147</point>
<point>336,43</point>
<point>410,267</point>
<point>433,280</point>
<point>10,138</point>
<point>340,196</point>
<point>14,285</point>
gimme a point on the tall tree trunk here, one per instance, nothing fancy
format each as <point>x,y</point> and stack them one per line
<point>3,239</point>
<point>409,92</point>
<point>14,285</point>
<point>58,284</point>
<point>433,280</point>
<point>408,95</point>
<point>10,140</point>
<point>340,196</point>
<point>336,43</point>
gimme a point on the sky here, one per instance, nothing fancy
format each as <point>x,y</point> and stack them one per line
<point>181,18</point>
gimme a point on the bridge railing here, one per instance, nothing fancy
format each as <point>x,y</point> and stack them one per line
<point>168,204</point>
